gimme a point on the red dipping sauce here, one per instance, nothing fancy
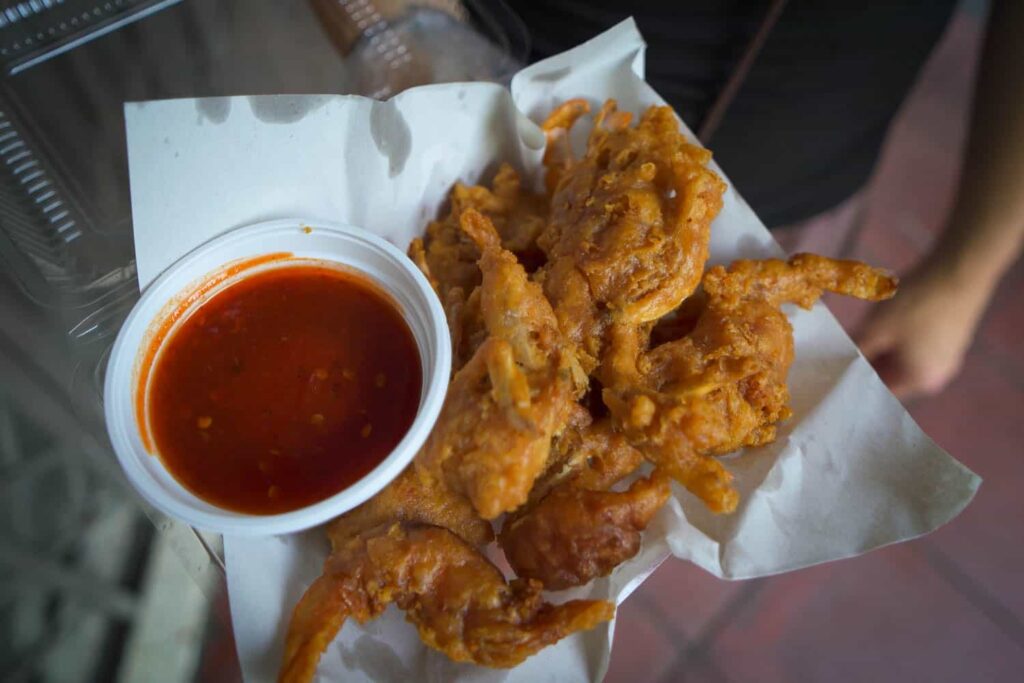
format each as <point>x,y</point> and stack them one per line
<point>284,389</point>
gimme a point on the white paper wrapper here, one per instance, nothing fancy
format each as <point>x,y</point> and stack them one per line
<point>849,472</point>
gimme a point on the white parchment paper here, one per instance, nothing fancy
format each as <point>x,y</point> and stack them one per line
<point>849,472</point>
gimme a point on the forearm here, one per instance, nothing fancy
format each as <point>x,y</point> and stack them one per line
<point>986,229</point>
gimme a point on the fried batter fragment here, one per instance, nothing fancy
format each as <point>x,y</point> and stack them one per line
<point>459,601</point>
<point>801,280</point>
<point>558,153</point>
<point>723,386</point>
<point>628,231</point>
<point>505,405</point>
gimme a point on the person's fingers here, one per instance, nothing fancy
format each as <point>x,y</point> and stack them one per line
<point>902,389</point>
<point>891,371</point>
<point>886,367</point>
<point>938,378</point>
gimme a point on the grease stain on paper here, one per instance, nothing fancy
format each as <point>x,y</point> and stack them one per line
<point>285,108</point>
<point>553,75</point>
<point>391,135</point>
<point>213,109</point>
<point>376,659</point>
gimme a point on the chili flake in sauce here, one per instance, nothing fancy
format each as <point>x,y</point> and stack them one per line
<point>284,389</point>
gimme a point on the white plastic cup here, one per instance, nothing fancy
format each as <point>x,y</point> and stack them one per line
<point>352,248</point>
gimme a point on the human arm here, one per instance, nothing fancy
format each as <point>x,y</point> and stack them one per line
<point>918,341</point>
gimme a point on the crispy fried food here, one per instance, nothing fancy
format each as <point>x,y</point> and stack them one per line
<point>723,386</point>
<point>578,529</point>
<point>447,254</point>
<point>413,496</point>
<point>801,281</point>
<point>594,281</point>
<point>575,534</point>
<point>465,325</point>
<point>588,454</point>
<point>504,406</point>
<point>459,601</point>
<point>558,157</point>
<point>628,231</point>
<point>518,215</point>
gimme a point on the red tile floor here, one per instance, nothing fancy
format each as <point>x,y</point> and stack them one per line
<point>949,607</point>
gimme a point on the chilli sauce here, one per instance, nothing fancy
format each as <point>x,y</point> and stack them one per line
<point>284,389</point>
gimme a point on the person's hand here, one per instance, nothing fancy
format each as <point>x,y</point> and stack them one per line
<point>918,340</point>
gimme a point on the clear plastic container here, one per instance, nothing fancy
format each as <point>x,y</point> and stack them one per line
<point>421,44</point>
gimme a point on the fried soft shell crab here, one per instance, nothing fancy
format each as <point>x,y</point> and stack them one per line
<point>594,361</point>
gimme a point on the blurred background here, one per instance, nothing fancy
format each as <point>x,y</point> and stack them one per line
<point>95,586</point>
